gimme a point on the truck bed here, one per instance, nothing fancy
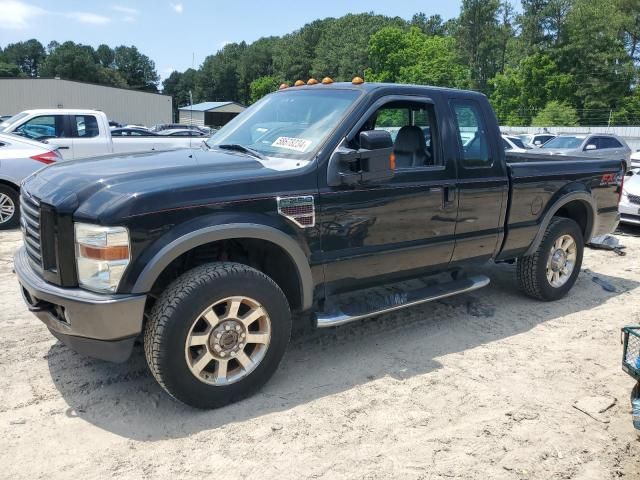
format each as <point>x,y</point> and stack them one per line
<point>538,182</point>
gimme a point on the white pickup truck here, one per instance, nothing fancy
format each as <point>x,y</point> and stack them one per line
<point>85,133</point>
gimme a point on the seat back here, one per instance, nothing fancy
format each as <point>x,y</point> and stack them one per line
<point>410,147</point>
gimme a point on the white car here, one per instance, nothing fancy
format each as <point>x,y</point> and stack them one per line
<point>19,158</point>
<point>513,144</point>
<point>629,206</point>
<point>82,134</point>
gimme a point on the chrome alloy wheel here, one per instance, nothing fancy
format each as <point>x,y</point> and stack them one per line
<point>562,261</point>
<point>228,341</point>
<point>7,208</point>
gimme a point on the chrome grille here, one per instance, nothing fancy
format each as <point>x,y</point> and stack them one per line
<point>634,199</point>
<point>30,224</point>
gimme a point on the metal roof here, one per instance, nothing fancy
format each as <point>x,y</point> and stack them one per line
<point>207,106</point>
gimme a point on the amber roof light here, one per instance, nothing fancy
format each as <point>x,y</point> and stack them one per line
<point>327,80</point>
<point>357,81</point>
<point>312,81</point>
<point>283,86</point>
<point>299,83</point>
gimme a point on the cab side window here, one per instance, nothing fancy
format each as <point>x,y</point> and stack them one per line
<point>86,126</point>
<point>42,127</point>
<point>472,134</point>
<point>413,128</point>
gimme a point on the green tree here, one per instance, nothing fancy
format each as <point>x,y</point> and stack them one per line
<point>8,70</point>
<point>556,114</point>
<point>28,56</point>
<point>263,86</point>
<point>398,55</point>
<point>106,56</point>
<point>478,35</point>
<point>72,61</point>
<point>137,69</point>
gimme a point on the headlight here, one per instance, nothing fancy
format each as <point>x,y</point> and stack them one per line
<point>102,255</point>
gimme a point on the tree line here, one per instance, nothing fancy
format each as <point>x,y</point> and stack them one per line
<point>548,62</point>
<point>117,67</point>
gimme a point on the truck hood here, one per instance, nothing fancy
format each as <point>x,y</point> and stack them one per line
<point>131,184</point>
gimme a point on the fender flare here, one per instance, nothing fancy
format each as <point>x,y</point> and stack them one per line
<point>592,217</point>
<point>214,233</point>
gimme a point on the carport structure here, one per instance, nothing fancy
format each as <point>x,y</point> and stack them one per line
<point>211,114</point>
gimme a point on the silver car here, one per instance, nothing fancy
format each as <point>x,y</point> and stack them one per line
<point>630,199</point>
<point>19,158</point>
<point>595,145</point>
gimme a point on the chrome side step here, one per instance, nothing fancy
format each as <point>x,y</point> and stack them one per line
<point>352,312</point>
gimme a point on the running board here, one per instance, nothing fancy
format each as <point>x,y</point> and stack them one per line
<point>396,301</point>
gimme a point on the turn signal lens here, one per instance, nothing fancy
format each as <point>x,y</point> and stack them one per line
<point>357,81</point>
<point>392,161</point>
<point>299,83</point>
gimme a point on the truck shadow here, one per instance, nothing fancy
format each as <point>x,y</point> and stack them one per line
<point>125,400</point>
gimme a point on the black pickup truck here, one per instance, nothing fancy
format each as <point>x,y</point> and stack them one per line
<point>313,193</point>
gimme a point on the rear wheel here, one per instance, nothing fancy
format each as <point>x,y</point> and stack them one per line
<point>9,207</point>
<point>552,270</point>
<point>217,334</point>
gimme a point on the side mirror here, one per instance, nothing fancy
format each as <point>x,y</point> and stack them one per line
<point>591,146</point>
<point>373,162</point>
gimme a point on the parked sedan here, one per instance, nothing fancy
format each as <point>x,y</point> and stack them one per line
<point>183,133</point>
<point>630,200</point>
<point>19,158</point>
<point>595,145</point>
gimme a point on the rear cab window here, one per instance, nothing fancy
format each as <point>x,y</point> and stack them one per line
<point>86,126</point>
<point>472,134</point>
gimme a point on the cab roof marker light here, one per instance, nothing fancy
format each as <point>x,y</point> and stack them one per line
<point>312,81</point>
<point>299,83</point>
<point>327,81</point>
<point>357,81</point>
<point>283,86</point>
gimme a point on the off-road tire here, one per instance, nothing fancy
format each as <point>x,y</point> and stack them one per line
<point>182,302</point>
<point>13,194</point>
<point>531,270</point>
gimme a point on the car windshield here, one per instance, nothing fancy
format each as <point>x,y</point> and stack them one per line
<point>288,124</point>
<point>526,138</point>
<point>564,142</point>
<point>13,119</point>
<point>517,142</point>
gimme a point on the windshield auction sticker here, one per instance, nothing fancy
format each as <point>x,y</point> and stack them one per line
<point>290,143</point>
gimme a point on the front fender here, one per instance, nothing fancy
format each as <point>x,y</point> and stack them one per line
<point>213,233</point>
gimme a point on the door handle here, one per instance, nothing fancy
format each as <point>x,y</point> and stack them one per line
<point>63,148</point>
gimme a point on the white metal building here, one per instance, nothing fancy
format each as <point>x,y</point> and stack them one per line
<point>211,114</point>
<point>120,104</point>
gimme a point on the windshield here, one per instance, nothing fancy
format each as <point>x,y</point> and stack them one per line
<point>290,124</point>
<point>526,138</point>
<point>517,142</point>
<point>11,120</point>
<point>564,142</point>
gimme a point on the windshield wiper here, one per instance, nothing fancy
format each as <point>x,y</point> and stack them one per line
<point>241,148</point>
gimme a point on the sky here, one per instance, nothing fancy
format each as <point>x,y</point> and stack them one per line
<point>179,34</point>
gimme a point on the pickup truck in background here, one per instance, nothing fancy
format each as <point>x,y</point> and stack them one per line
<point>312,197</point>
<point>82,134</point>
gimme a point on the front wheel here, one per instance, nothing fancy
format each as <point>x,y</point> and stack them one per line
<point>217,334</point>
<point>553,269</point>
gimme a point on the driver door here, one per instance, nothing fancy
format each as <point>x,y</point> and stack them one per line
<point>52,129</point>
<point>383,231</point>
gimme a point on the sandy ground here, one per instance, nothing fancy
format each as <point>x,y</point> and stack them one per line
<point>480,386</point>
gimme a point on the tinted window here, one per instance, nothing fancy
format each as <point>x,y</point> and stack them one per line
<point>86,126</point>
<point>472,134</point>
<point>46,126</point>
<point>607,142</point>
<point>543,138</point>
<point>506,145</point>
<point>517,142</point>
